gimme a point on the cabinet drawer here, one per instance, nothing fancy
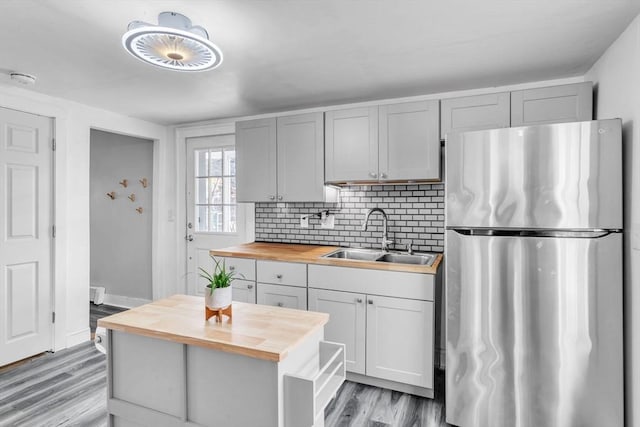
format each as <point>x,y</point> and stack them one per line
<point>282,296</point>
<point>244,268</point>
<point>282,273</point>
<point>244,291</point>
<point>375,282</point>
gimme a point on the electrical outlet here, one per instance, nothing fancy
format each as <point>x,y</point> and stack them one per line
<point>304,221</point>
<point>328,221</point>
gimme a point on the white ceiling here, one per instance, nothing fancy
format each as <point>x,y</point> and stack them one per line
<point>283,55</point>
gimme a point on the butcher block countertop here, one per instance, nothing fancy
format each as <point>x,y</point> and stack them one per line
<point>258,331</point>
<point>312,254</point>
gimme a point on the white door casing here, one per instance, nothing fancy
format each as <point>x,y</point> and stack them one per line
<point>25,235</point>
<point>199,243</point>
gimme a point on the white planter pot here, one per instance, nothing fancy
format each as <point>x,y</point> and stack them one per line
<point>220,298</point>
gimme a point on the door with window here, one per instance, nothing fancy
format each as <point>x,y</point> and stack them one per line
<point>214,218</point>
<point>25,235</point>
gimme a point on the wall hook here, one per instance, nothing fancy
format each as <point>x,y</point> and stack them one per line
<point>132,197</point>
<point>139,210</point>
<point>124,183</point>
<point>111,195</point>
<point>144,182</point>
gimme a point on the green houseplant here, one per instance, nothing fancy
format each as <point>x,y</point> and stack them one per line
<point>218,289</point>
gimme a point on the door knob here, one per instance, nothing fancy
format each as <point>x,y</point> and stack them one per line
<point>373,174</point>
<point>383,175</point>
<point>280,304</point>
<point>279,276</point>
<point>189,237</point>
<point>370,301</point>
<point>249,286</point>
<point>279,197</point>
<point>272,197</point>
<point>358,300</point>
<point>232,267</point>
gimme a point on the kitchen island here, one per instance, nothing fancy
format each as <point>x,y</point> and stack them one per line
<point>267,366</point>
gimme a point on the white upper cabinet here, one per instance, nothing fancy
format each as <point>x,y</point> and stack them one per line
<point>555,104</point>
<point>409,141</point>
<point>477,112</point>
<point>256,160</point>
<point>351,144</point>
<point>281,160</point>
<point>301,158</point>
<point>397,142</point>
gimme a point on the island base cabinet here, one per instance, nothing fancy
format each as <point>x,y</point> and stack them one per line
<point>399,346</point>
<point>157,382</point>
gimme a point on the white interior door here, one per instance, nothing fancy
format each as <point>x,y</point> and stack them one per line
<point>25,235</point>
<point>214,219</point>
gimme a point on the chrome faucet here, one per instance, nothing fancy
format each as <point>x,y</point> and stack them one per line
<point>385,239</point>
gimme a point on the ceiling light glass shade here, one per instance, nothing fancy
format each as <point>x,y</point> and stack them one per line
<point>174,44</point>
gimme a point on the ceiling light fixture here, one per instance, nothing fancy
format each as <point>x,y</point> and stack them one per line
<point>22,78</point>
<point>174,44</point>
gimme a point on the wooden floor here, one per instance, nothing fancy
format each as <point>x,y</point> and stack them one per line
<point>68,388</point>
<point>98,312</point>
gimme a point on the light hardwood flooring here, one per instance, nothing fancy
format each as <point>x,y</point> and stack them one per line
<point>68,388</point>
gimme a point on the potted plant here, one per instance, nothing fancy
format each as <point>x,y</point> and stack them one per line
<point>217,293</point>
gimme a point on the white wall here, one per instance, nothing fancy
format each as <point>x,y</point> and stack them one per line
<point>120,235</point>
<point>617,78</point>
<point>71,206</point>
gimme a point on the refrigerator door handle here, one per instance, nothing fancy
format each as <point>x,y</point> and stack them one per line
<point>505,232</point>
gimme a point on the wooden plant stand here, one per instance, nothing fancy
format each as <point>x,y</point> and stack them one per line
<point>209,313</point>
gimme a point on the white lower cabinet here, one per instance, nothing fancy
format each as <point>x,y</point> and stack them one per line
<point>282,296</point>
<point>347,322</point>
<point>244,291</point>
<point>400,340</point>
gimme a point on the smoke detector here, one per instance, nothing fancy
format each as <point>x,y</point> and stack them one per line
<point>174,44</point>
<point>22,78</point>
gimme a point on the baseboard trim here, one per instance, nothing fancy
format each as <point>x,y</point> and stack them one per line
<point>78,337</point>
<point>123,301</point>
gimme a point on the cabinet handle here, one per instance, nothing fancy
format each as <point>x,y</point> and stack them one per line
<point>279,197</point>
<point>370,301</point>
<point>279,276</point>
<point>232,267</point>
<point>383,175</point>
<point>272,197</point>
<point>280,304</point>
<point>249,286</point>
<point>373,174</point>
<point>358,299</point>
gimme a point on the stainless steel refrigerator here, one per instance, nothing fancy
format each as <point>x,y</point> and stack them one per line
<point>534,276</point>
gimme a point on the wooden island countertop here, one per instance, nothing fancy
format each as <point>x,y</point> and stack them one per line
<point>312,254</point>
<point>258,331</point>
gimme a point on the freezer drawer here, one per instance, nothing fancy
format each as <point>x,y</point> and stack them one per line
<point>564,175</point>
<point>534,331</point>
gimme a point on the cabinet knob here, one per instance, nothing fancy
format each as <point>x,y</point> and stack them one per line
<point>249,286</point>
<point>373,174</point>
<point>272,197</point>
<point>370,301</point>
<point>232,267</point>
<point>358,299</point>
<point>383,175</point>
<point>280,304</point>
<point>279,276</point>
<point>279,197</point>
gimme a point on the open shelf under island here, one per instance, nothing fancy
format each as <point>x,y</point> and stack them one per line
<point>268,366</point>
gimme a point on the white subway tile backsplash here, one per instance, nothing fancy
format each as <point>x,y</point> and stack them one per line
<point>415,212</point>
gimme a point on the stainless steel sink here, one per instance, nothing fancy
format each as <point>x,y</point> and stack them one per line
<point>357,254</point>
<point>415,259</point>
<point>378,256</point>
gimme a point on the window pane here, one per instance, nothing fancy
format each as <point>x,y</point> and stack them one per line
<point>229,190</point>
<point>215,191</point>
<point>201,162</point>
<point>215,218</point>
<point>230,219</point>
<point>201,191</point>
<point>229,162</point>
<point>201,218</point>
<point>215,163</point>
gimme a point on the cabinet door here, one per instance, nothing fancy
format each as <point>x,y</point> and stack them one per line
<point>282,296</point>
<point>555,104</point>
<point>491,111</point>
<point>346,323</point>
<point>256,160</point>
<point>351,145</point>
<point>410,141</point>
<point>400,340</point>
<point>244,291</point>
<point>301,158</point>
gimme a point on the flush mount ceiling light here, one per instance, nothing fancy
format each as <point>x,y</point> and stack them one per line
<point>23,78</point>
<point>174,44</point>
